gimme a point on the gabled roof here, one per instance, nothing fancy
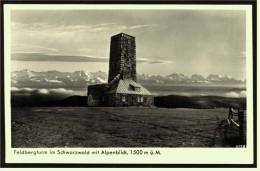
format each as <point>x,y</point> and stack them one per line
<point>124,87</point>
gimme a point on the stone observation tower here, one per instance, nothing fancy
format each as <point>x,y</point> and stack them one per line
<point>122,88</point>
<point>122,57</point>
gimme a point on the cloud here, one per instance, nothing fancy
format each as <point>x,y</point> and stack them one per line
<point>61,58</point>
<point>236,94</point>
<point>57,92</point>
<point>23,48</point>
<point>43,91</point>
<point>70,58</point>
<point>69,43</point>
<point>142,26</point>
<point>34,28</point>
<point>153,61</point>
<point>34,96</point>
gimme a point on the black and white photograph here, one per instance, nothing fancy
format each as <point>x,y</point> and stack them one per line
<point>129,77</point>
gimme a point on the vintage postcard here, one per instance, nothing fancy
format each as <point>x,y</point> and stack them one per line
<point>129,84</point>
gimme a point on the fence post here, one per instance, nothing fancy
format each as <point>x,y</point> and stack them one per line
<point>242,126</point>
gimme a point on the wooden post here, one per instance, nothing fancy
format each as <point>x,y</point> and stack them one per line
<point>242,126</point>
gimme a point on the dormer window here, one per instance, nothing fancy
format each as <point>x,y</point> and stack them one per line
<point>135,88</point>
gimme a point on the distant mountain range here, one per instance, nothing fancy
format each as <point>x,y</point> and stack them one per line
<point>50,79</point>
<point>178,78</point>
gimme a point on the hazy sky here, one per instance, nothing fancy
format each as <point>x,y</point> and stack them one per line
<point>167,41</point>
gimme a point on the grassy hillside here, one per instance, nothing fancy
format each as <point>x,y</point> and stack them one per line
<point>120,127</point>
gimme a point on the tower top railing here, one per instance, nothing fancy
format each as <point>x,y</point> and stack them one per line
<point>122,35</point>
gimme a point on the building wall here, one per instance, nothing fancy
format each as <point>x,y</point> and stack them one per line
<point>96,94</point>
<point>110,100</point>
<point>97,97</point>
<point>130,100</point>
<point>122,57</point>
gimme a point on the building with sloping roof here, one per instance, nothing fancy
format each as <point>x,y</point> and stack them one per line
<point>122,88</point>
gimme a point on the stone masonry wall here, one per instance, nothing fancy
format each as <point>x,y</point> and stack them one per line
<point>131,100</point>
<point>122,57</point>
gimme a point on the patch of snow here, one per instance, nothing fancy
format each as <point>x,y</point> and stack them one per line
<point>101,80</point>
<point>54,81</point>
<point>35,80</point>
